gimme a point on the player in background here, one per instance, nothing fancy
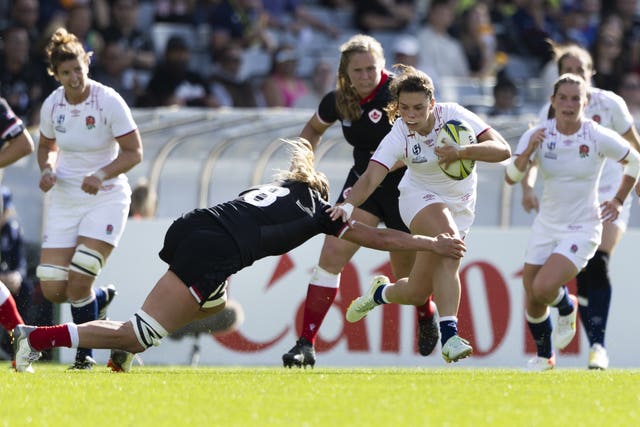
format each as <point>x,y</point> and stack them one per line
<point>205,246</point>
<point>15,143</point>
<point>88,140</point>
<point>430,202</point>
<point>570,151</point>
<point>593,282</point>
<point>362,92</point>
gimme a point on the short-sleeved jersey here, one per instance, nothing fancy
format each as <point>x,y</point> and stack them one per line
<point>609,110</point>
<point>570,166</point>
<point>10,124</point>
<point>85,132</point>
<point>417,152</point>
<point>365,133</point>
<point>273,219</point>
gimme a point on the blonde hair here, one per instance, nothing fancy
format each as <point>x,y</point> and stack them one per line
<point>347,98</point>
<point>301,167</point>
<point>64,46</point>
<point>412,80</point>
<point>564,51</point>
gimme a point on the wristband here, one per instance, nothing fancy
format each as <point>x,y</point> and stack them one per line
<point>348,208</point>
<point>514,173</point>
<point>46,171</point>
<point>100,174</point>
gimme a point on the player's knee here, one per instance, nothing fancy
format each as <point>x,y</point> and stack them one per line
<point>598,270</point>
<point>321,277</point>
<point>52,273</point>
<point>147,330</point>
<point>87,261</point>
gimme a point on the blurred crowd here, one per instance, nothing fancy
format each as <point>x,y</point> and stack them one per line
<point>283,53</point>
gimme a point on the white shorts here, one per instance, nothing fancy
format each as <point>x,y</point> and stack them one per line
<point>577,246</point>
<point>72,213</point>
<point>412,201</point>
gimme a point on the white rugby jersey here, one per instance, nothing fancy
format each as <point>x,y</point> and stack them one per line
<point>609,110</point>
<point>570,166</point>
<point>417,152</point>
<point>85,132</point>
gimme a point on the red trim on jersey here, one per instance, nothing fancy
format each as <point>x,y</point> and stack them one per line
<point>125,134</point>
<point>381,164</point>
<point>383,79</point>
<point>486,130</point>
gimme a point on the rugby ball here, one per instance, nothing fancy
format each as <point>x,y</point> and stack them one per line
<point>458,134</point>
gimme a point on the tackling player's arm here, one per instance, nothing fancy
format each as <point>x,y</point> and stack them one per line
<point>388,239</point>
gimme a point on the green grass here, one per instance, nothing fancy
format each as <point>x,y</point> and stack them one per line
<point>327,397</point>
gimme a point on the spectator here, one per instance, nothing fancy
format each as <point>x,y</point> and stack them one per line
<point>226,83</point>
<point>20,78</point>
<point>406,51</point>
<point>444,53</point>
<point>114,72</point>
<point>144,201</point>
<point>79,21</point>
<point>173,83</point>
<point>629,90</point>
<point>291,16</point>
<point>322,81</point>
<point>478,39</point>
<point>505,97</point>
<point>179,11</point>
<point>243,22</point>
<point>137,47</point>
<point>383,15</point>
<point>282,86</point>
<point>608,58</point>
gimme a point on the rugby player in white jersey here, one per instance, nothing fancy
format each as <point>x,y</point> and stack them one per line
<point>570,151</point>
<point>593,282</point>
<point>88,140</point>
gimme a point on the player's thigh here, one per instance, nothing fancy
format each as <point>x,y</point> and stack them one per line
<point>432,220</point>
<point>170,303</point>
<point>611,235</point>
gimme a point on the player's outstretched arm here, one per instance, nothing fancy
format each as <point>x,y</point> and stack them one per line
<point>387,239</point>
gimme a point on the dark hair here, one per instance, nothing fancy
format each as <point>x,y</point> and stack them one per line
<point>412,80</point>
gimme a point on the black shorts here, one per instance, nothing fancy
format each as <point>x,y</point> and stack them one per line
<point>201,253</point>
<point>383,202</point>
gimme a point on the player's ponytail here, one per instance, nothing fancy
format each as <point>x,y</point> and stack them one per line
<point>301,167</point>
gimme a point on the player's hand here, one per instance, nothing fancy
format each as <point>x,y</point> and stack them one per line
<point>91,184</point>
<point>446,155</point>
<point>47,180</point>
<point>341,211</point>
<point>638,189</point>
<point>536,140</point>
<point>448,245</point>
<point>610,210</point>
<point>530,200</point>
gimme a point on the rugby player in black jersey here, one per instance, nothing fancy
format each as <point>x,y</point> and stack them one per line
<point>205,246</point>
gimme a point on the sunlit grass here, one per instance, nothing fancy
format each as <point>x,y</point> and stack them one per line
<point>256,396</point>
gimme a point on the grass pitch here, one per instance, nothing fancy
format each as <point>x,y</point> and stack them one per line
<point>259,396</point>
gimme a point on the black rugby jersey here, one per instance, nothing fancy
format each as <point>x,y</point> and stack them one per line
<point>273,219</point>
<point>10,124</point>
<point>373,125</point>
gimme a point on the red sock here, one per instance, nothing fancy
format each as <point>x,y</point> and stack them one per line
<point>427,310</point>
<point>9,315</point>
<point>318,303</point>
<point>45,337</point>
